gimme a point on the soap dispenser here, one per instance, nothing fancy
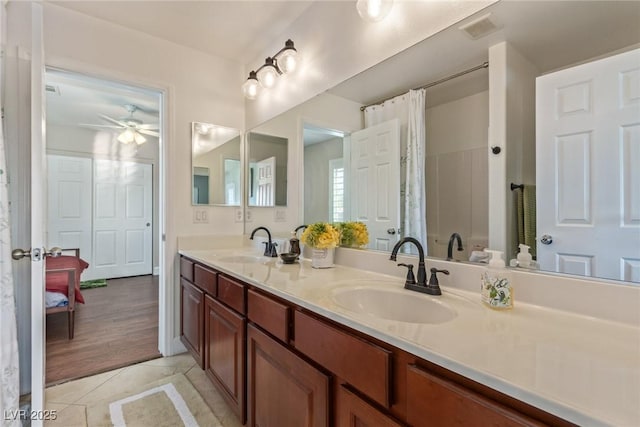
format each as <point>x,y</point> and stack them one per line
<point>294,244</point>
<point>496,291</point>
<point>524,257</point>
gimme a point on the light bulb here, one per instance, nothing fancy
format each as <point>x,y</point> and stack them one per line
<point>373,10</point>
<point>287,59</point>
<point>250,88</point>
<point>126,137</point>
<point>139,138</point>
<point>267,74</point>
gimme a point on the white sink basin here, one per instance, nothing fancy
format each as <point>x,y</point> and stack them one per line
<point>245,259</point>
<point>394,304</point>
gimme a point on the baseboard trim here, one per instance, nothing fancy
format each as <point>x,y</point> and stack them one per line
<point>156,271</point>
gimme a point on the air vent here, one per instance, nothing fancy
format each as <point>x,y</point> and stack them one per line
<point>479,27</point>
<point>53,89</point>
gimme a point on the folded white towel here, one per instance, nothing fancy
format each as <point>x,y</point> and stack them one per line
<point>479,256</point>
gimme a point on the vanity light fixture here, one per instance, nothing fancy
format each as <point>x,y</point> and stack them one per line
<point>283,62</point>
<point>373,10</point>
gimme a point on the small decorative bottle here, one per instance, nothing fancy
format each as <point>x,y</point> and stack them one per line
<point>496,291</point>
<point>294,244</point>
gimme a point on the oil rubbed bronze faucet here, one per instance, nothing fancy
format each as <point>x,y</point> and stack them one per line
<point>270,247</point>
<point>418,284</point>
<point>454,236</point>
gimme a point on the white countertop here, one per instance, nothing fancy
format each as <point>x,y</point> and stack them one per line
<point>580,368</point>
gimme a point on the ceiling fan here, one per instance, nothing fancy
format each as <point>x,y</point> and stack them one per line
<point>132,129</point>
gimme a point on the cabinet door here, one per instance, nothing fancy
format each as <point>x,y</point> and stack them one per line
<point>191,310</point>
<point>352,411</point>
<point>283,389</point>
<point>435,401</point>
<point>224,353</point>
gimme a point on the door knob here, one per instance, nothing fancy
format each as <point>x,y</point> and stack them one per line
<point>18,254</point>
<point>391,231</point>
<point>546,239</point>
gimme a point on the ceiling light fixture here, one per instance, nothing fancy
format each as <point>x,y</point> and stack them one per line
<point>374,10</point>
<point>131,135</point>
<point>283,62</point>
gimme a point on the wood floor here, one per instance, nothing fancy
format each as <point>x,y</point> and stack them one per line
<point>117,326</point>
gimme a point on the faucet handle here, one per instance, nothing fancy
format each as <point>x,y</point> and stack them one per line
<point>267,248</point>
<point>433,280</point>
<point>273,253</point>
<point>411,279</point>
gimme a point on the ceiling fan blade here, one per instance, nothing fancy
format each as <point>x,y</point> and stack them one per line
<point>112,120</point>
<point>89,125</point>
<point>148,126</point>
<point>149,132</point>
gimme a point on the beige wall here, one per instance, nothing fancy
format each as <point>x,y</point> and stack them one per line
<point>316,180</point>
<point>197,87</point>
<point>457,174</point>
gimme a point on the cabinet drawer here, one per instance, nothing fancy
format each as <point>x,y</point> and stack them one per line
<point>205,279</point>
<point>186,268</point>
<point>365,366</point>
<point>231,293</point>
<point>436,401</point>
<point>269,314</point>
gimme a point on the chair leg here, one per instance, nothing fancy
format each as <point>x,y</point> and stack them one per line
<point>72,316</point>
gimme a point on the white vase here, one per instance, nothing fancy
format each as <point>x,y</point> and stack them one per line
<point>322,258</point>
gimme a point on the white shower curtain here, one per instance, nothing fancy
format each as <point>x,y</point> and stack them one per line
<point>409,109</point>
<point>9,374</point>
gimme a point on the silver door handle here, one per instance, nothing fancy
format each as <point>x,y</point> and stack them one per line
<point>546,239</point>
<point>391,231</point>
<point>18,254</point>
<point>35,254</point>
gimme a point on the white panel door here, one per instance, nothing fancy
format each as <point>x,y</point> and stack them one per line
<point>375,182</point>
<point>266,191</point>
<point>69,208</point>
<point>588,168</point>
<point>122,219</point>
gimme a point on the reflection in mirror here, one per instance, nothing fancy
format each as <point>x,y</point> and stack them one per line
<point>538,40</point>
<point>215,157</point>
<point>324,181</point>
<point>267,170</point>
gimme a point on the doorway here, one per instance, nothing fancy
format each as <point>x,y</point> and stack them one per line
<point>104,156</point>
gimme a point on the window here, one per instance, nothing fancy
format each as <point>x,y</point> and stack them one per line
<point>336,190</point>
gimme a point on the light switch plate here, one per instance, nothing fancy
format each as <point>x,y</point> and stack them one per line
<point>200,216</point>
<point>280,215</point>
<point>238,216</point>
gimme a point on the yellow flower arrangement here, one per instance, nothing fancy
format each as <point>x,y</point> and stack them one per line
<point>321,235</point>
<point>353,233</point>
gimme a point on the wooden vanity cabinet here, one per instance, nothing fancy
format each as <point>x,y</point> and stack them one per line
<point>280,365</point>
<point>354,411</point>
<point>282,388</point>
<point>436,401</point>
<point>224,356</point>
<point>191,325</point>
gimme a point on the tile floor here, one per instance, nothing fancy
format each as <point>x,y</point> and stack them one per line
<point>71,399</point>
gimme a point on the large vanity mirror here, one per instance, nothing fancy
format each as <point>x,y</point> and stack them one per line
<point>550,36</point>
<point>216,168</point>
<point>266,170</point>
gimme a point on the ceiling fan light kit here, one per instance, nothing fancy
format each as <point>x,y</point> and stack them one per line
<point>283,62</point>
<point>132,129</point>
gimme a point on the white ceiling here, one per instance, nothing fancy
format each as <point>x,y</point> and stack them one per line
<point>550,34</point>
<point>235,30</point>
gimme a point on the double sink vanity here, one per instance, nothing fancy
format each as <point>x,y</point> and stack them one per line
<point>289,345</point>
